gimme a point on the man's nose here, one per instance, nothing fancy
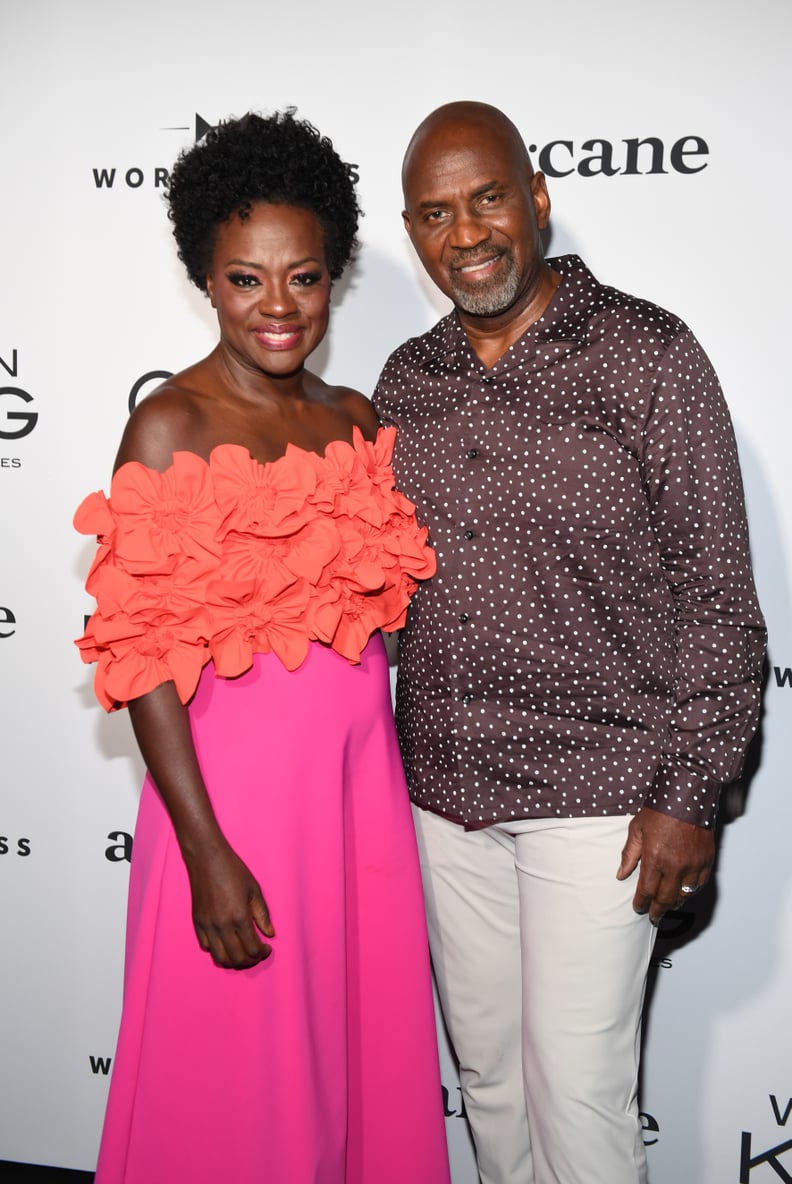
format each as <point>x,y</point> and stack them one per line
<point>468,231</point>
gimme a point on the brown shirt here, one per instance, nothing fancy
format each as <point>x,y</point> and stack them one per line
<point>592,640</point>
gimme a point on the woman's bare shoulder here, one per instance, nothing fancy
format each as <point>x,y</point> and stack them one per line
<point>171,419</point>
<point>352,404</point>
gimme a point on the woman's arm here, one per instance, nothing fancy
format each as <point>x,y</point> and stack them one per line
<point>228,908</point>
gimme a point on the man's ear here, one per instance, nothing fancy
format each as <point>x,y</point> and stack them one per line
<point>541,199</point>
<point>406,221</point>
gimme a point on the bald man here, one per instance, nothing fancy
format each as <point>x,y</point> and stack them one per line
<point>582,675</point>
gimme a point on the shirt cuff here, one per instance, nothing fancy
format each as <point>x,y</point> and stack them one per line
<point>684,794</point>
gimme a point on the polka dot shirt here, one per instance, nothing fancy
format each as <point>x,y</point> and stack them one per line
<point>592,640</point>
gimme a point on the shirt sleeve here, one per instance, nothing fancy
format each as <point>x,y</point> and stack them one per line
<point>693,483</point>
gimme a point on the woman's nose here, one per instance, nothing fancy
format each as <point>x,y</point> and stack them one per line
<point>276,299</point>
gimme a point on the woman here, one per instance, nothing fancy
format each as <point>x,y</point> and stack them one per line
<point>277,1022</point>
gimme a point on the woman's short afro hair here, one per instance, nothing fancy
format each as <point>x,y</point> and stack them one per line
<point>277,159</point>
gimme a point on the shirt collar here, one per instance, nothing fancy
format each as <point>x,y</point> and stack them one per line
<point>566,319</point>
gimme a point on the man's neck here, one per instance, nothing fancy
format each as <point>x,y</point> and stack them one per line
<point>491,337</point>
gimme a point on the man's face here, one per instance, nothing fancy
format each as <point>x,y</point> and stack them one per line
<point>473,211</point>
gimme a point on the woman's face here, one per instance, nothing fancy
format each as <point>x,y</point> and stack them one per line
<point>270,286</point>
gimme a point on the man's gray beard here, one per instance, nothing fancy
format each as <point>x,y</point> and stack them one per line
<point>491,298</point>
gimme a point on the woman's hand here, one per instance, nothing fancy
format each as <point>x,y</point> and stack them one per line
<point>229,911</point>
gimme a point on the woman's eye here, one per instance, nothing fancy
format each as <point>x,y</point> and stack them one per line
<point>306,279</point>
<point>242,280</point>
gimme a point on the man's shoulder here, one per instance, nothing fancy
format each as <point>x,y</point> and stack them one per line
<point>624,311</point>
<point>419,351</point>
<point>604,309</point>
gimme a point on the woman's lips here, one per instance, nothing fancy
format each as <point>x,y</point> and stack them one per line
<point>279,337</point>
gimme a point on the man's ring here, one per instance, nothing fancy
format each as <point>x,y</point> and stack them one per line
<point>688,891</point>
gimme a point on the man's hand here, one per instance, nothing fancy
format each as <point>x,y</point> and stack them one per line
<point>672,854</point>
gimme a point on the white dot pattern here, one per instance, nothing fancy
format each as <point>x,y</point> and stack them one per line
<point>592,640</point>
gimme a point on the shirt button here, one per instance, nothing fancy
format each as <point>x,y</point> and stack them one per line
<point>467,700</point>
<point>469,534</point>
<point>473,453</point>
<point>464,618</point>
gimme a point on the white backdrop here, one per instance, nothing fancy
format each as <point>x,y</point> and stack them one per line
<point>97,100</point>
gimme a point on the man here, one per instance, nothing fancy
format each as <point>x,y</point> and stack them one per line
<point>582,674</point>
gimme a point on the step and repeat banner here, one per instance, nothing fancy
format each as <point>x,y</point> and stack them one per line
<point>662,132</point>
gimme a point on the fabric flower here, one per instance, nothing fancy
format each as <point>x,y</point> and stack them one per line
<point>344,485</point>
<point>165,520</point>
<point>247,622</point>
<point>266,500</point>
<point>145,634</point>
<point>277,562</point>
<point>94,516</point>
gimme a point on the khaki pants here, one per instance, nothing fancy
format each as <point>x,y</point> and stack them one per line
<point>541,966</point>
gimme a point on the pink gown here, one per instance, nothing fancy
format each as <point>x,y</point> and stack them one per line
<point>262,584</point>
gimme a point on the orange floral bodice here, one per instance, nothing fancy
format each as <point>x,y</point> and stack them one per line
<point>223,559</point>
